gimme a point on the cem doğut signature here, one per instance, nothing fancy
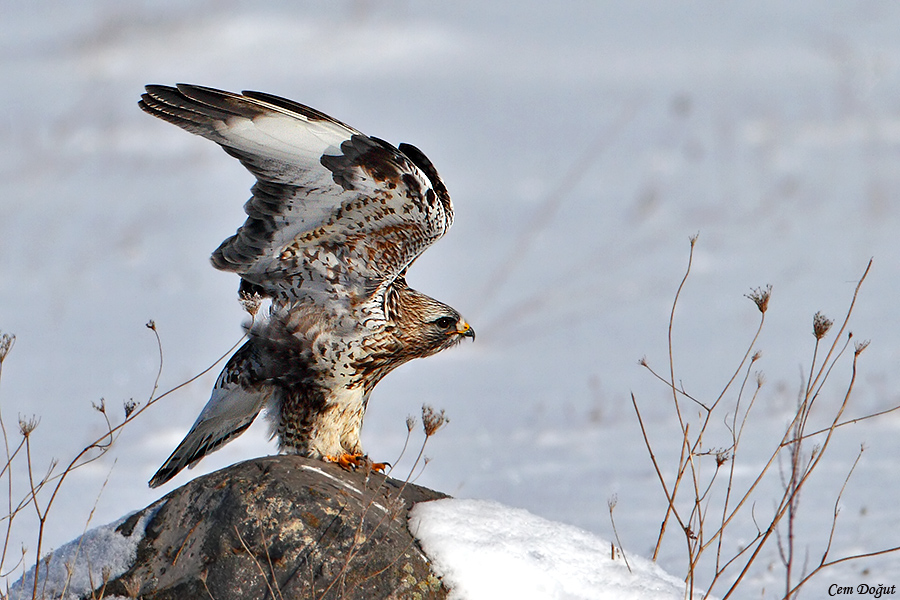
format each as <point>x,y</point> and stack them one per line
<point>876,591</point>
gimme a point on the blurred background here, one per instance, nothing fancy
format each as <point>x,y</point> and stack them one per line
<point>583,143</point>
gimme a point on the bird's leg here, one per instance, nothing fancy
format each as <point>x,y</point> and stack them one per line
<point>355,461</point>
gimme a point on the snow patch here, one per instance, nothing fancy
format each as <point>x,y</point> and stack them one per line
<point>485,550</point>
<point>80,566</point>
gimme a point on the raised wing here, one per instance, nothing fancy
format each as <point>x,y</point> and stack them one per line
<point>335,215</point>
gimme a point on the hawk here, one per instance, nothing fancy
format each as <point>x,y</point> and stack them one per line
<point>335,220</point>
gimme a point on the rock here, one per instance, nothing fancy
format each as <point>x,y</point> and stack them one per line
<point>280,527</point>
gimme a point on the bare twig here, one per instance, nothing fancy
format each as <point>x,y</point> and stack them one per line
<point>707,480</point>
<point>611,503</point>
<point>259,566</point>
<point>44,490</point>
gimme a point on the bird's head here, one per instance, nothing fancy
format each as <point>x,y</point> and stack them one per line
<point>427,326</point>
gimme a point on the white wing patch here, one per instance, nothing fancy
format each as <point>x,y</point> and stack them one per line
<point>335,215</point>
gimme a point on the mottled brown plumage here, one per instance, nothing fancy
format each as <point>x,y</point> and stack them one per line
<point>335,220</point>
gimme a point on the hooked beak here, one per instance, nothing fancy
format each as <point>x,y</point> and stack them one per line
<point>465,330</point>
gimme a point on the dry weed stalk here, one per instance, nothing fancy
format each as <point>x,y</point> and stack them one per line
<point>703,497</point>
<point>43,488</point>
<point>266,576</point>
<point>611,504</point>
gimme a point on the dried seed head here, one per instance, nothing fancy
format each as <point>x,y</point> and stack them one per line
<point>756,356</point>
<point>395,504</point>
<point>26,426</point>
<point>722,457</point>
<point>760,297</point>
<point>821,325</point>
<point>760,379</point>
<point>7,340</point>
<point>129,406</point>
<point>251,302</point>
<point>151,324</point>
<point>410,422</point>
<point>132,584</point>
<point>100,408</point>
<point>858,347</point>
<point>432,421</point>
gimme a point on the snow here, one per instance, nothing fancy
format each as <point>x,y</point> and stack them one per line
<point>484,550</point>
<point>79,567</point>
<point>582,144</point>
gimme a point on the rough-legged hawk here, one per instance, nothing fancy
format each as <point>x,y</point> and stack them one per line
<point>335,220</point>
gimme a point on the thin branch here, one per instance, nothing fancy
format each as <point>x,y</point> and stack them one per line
<point>612,505</point>
<point>662,480</point>
<point>685,446</point>
<point>837,502</point>
<point>840,332</point>
<point>257,563</point>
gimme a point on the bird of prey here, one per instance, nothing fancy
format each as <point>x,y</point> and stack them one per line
<point>335,220</point>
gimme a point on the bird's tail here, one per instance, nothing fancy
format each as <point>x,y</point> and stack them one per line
<point>234,404</point>
<point>196,444</point>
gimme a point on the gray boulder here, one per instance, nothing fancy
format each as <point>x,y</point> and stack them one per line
<point>279,527</point>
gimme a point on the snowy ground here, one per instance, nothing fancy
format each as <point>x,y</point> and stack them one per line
<point>582,143</point>
<point>482,549</point>
<point>485,550</point>
<point>79,567</point>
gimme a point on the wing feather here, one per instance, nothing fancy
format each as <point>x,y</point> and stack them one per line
<point>335,215</point>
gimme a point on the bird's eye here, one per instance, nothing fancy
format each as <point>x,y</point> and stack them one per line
<point>445,322</point>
